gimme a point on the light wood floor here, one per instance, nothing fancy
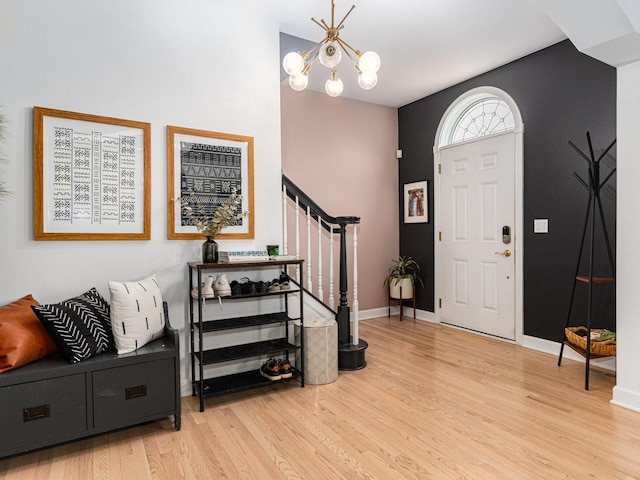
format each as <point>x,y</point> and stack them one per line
<point>433,403</point>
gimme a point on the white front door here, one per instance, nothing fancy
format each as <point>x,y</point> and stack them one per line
<point>477,207</point>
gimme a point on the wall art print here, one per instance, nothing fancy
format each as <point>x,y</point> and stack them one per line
<point>211,165</point>
<point>92,177</point>
<point>415,202</point>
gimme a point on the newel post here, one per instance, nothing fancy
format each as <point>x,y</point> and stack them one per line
<point>344,331</point>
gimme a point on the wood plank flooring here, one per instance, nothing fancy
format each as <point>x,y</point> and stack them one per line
<point>433,403</point>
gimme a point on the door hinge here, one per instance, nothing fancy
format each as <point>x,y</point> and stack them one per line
<point>440,235</point>
<point>439,303</point>
<point>439,168</point>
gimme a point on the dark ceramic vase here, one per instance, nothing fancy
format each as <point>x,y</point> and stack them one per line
<point>209,251</point>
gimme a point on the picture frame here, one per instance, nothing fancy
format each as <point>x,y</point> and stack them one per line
<point>416,207</point>
<point>209,164</point>
<point>91,177</point>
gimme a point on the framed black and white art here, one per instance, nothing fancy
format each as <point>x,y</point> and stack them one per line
<point>204,167</point>
<point>92,177</point>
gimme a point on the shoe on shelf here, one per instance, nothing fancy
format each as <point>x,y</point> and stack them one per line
<point>262,287</point>
<point>286,370</point>
<point>271,370</point>
<point>274,286</point>
<point>206,289</point>
<point>284,281</point>
<point>221,285</point>
<point>236,288</point>
<point>247,287</point>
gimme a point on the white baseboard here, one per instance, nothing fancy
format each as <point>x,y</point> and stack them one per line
<point>395,310</point>
<point>626,399</point>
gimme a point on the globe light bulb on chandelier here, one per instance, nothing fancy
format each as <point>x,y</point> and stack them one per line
<point>334,85</point>
<point>329,50</point>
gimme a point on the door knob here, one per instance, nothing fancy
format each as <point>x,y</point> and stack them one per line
<point>506,253</point>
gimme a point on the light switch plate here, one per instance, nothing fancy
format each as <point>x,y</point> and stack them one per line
<point>540,225</point>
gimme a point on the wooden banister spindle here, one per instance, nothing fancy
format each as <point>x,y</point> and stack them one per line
<point>285,232</point>
<point>320,291</point>
<point>298,239</point>
<point>332,300</point>
<point>309,280</point>
<point>356,335</point>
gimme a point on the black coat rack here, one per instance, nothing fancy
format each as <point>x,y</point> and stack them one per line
<point>594,186</point>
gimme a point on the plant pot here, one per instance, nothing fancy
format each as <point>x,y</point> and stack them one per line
<point>406,284</point>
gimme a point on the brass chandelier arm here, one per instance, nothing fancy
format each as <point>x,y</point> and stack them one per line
<point>345,17</point>
<point>305,55</point>
<point>321,24</point>
<point>310,63</point>
<point>347,47</point>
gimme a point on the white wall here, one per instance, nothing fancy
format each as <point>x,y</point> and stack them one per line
<point>627,390</point>
<point>159,61</point>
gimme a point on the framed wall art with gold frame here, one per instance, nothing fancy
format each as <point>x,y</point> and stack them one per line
<point>204,167</point>
<point>91,177</point>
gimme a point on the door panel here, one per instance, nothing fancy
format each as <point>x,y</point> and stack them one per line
<point>477,200</point>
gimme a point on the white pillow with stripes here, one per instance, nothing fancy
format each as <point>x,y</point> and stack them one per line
<point>137,315</point>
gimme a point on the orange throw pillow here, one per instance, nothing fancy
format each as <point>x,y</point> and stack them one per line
<point>23,338</point>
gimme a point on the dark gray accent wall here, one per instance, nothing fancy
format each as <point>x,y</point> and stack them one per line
<point>561,94</point>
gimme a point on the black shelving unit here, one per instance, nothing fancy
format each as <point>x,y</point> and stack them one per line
<point>201,326</point>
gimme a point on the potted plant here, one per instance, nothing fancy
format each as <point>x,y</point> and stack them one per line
<point>210,225</point>
<point>402,276</point>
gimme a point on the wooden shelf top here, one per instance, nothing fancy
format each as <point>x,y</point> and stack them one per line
<point>260,263</point>
<point>584,279</point>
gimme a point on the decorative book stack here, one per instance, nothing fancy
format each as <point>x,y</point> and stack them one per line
<point>243,256</point>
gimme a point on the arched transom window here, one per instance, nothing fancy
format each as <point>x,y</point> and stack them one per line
<point>476,117</point>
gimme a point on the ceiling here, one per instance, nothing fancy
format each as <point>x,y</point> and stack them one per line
<point>425,45</point>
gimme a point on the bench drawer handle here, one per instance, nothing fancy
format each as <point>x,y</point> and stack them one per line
<point>35,413</point>
<point>135,392</point>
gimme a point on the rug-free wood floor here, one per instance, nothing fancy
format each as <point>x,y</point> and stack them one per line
<point>433,403</point>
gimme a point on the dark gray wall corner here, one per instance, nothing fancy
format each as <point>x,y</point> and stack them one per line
<point>561,94</point>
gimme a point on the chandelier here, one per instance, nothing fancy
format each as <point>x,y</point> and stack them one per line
<point>329,51</point>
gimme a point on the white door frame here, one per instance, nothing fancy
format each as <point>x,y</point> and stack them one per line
<point>518,201</point>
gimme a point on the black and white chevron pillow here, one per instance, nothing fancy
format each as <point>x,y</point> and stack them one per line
<point>80,326</point>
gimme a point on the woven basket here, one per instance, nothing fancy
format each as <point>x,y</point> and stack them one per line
<point>606,348</point>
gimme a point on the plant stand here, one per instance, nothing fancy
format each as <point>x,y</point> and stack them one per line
<point>401,301</point>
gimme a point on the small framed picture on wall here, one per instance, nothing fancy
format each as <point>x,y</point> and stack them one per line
<point>415,202</point>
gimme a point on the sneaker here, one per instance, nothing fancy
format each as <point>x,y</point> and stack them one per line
<point>286,370</point>
<point>262,287</point>
<point>284,281</point>
<point>247,287</point>
<point>274,286</point>
<point>271,370</point>
<point>236,289</point>
<point>206,289</point>
<point>221,285</point>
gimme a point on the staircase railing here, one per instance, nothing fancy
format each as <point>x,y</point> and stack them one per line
<point>296,204</point>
